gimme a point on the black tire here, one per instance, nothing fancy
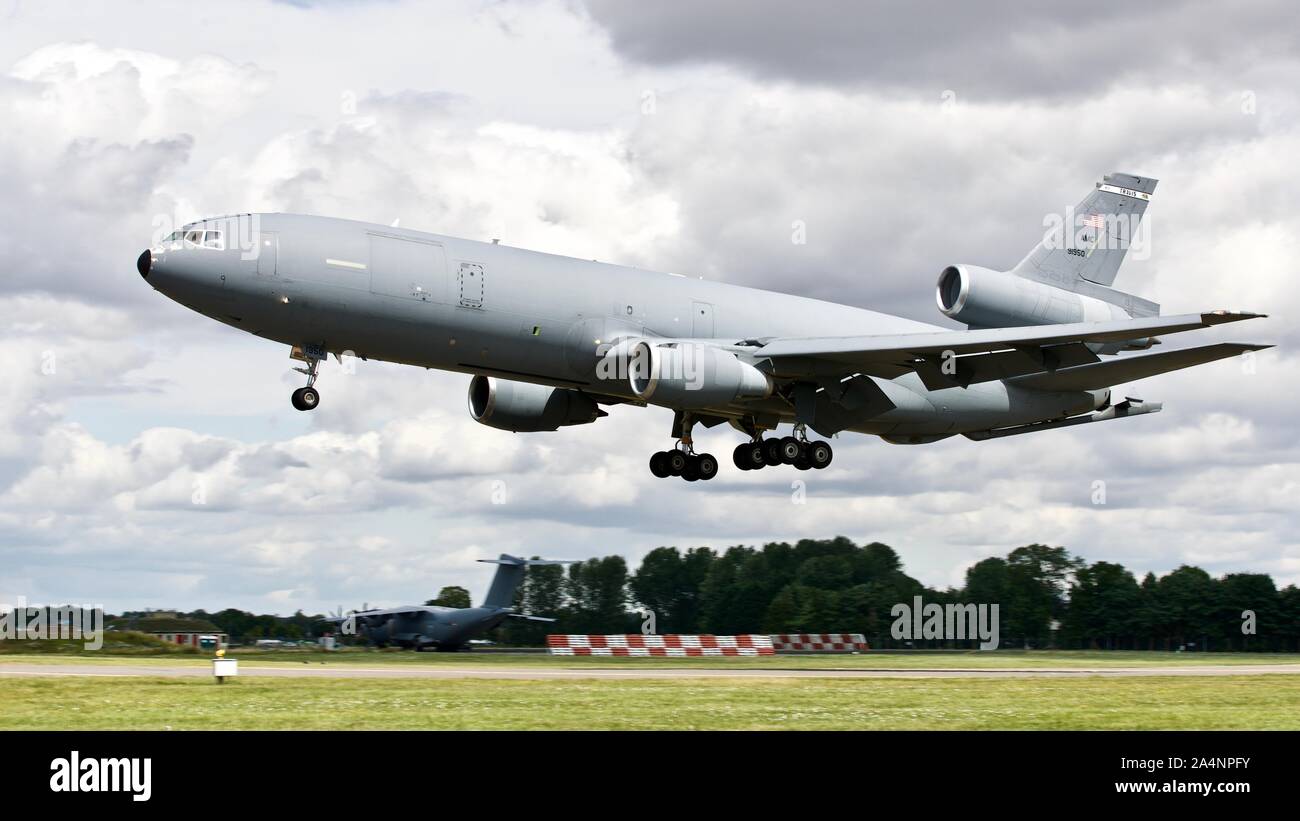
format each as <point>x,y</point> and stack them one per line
<point>740,456</point>
<point>754,454</point>
<point>707,466</point>
<point>691,472</point>
<point>820,454</point>
<point>790,450</point>
<point>305,399</point>
<point>771,452</point>
<point>802,463</point>
<point>659,465</point>
<point>676,462</point>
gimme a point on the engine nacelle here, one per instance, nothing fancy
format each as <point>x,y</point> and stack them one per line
<point>688,375</point>
<point>523,407</point>
<point>995,299</point>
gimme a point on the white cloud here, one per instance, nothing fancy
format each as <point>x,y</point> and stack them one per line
<point>160,463</point>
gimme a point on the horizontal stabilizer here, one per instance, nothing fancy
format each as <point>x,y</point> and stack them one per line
<point>519,562</point>
<point>1127,369</point>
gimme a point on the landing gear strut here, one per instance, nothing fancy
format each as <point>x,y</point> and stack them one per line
<point>307,398</point>
<point>682,460</point>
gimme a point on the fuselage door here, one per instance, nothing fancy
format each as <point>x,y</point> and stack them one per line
<point>407,268</point>
<point>701,320</point>
<point>470,278</point>
<point>268,253</point>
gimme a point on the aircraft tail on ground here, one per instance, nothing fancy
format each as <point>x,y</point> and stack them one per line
<point>510,572</point>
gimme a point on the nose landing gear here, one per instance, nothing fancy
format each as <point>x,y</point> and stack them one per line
<point>307,398</point>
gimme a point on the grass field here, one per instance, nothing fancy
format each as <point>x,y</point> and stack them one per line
<point>974,659</point>
<point>1146,702</point>
<point>1245,702</point>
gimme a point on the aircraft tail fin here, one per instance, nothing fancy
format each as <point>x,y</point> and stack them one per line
<point>510,572</point>
<point>1092,239</point>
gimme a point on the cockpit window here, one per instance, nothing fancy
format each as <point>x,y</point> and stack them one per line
<point>212,239</point>
<point>194,237</point>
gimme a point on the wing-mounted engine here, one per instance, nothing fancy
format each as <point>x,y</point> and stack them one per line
<point>685,374</point>
<point>523,407</point>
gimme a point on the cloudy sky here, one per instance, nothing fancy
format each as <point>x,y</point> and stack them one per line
<point>150,457</point>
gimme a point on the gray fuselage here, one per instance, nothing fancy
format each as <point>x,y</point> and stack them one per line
<point>433,301</point>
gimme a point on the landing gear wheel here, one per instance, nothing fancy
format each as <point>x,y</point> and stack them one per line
<point>740,456</point>
<point>691,472</point>
<point>706,464</point>
<point>677,462</point>
<point>771,452</point>
<point>305,399</point>
<point>790,449</point>
<point>753,454</point>
<point>659,465</point>
<point>820,454</point>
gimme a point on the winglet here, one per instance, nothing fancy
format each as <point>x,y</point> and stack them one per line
<point>1221,316</point>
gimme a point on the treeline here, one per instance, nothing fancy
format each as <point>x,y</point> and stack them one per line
<point>1046,598</point>
<point>244,627</point>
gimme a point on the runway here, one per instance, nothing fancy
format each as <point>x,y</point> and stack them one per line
<point>542,673</point>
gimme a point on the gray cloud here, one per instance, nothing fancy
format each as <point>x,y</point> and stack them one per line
<point>989,50</point>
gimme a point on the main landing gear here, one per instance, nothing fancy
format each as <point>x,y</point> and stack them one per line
<point>787,450</point>
<point>682,460</point>
<point>307,398</point>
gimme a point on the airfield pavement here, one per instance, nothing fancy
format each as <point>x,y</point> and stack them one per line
<point>120,670</point>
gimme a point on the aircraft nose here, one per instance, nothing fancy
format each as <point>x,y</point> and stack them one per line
<point>143,263</point>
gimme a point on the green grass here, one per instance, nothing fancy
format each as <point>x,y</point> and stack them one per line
<point>974,659</point>
<point>116,642</point>
<point>1149,702</point>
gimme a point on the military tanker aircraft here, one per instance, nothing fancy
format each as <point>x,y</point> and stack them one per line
<point>550,341</point>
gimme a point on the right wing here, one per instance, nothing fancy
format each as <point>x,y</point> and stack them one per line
<point>1131,368</point>
<point>841,355</point>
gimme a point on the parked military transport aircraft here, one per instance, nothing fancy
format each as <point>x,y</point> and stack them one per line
<point>446,628</point>
<point>549,340</point>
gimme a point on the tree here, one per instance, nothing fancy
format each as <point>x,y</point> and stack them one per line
<point>1104,607</point>
<point>452,596</point>
<point>1037,578</point>
<point>1187,602</point>
<point>670,584</point>
<point>597,589</point>
<point>1241,592</point>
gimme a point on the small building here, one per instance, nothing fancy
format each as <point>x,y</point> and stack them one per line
<point>175,629</point>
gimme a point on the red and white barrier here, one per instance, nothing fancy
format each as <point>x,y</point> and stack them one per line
<point>825,642</point>
<point>669,645</point>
